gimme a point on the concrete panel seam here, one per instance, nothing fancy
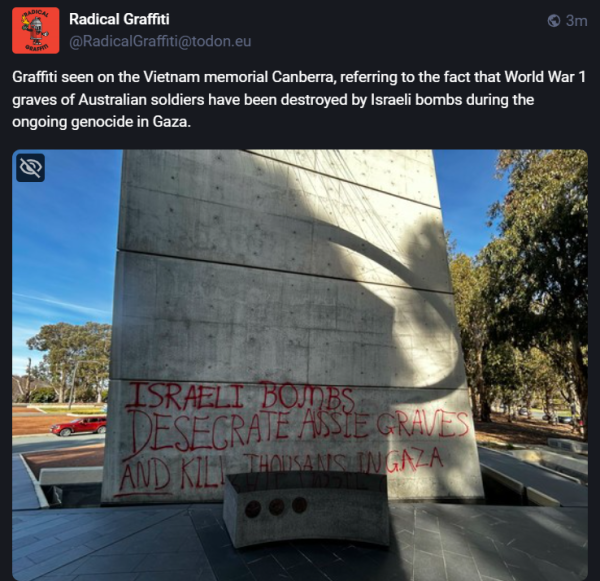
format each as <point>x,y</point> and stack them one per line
<point>249,151</point>
<point>308,274</point>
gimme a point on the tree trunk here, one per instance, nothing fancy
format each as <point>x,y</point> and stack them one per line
<point>486,411</point>
<point>581,380</point>
<point>485,414</point>
<point>60,392</point>
<point>548,407</point>
<point>475,407</point>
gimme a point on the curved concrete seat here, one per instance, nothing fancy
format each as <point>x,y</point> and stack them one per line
<point>263,507</point>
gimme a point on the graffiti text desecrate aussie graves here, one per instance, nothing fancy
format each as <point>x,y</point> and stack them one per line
<point>180,439</point>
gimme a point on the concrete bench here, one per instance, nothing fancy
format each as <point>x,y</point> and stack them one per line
<point>570,445</point>
<point>263,507</point>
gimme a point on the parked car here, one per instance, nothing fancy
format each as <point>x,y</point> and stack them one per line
<point>80,425</point>
<point>565,420</point>
<point>523,412</point>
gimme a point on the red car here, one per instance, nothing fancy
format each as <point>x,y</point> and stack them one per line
<point>92,424</point>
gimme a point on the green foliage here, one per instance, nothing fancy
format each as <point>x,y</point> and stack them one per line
<point>540,258</point>
<point>43,395</point>
<point>66,347</point>
<point>538,264</point>
<point>504,373</point>
<point>85,395</point>
<point>522,303</point>
<point>469,281</point>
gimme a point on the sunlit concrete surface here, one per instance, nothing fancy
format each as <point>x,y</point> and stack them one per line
<point>284,310</point>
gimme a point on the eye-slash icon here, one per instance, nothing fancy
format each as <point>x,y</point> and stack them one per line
<point>31,167</point>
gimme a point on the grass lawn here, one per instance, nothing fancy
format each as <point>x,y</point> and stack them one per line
<point>79,411</point>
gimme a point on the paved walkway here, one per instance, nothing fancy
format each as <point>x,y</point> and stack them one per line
<point>568,493</point>
<point>23,492</point>
<point>429,542</point>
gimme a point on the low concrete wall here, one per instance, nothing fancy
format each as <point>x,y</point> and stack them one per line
<point>280,506</point>
<point>570,445</point>
<point>537,498</point>
<point>567,465</point>
<point>80,475</point>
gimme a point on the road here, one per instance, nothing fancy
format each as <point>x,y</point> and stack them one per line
<point>51,442</point>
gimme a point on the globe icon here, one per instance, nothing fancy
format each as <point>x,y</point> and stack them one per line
<point>554,20</point>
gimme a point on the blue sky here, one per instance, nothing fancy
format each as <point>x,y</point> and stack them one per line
<point>65,233</point>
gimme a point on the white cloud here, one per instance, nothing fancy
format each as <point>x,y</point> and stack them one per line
<point>70,306</point>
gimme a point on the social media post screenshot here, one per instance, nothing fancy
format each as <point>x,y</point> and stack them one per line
<point>300,292</point>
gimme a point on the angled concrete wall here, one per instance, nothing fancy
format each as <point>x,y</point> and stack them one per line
<point>284,310</point>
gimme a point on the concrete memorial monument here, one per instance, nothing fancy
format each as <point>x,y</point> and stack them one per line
<point>284,311</point>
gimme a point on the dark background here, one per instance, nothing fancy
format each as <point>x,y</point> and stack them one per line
<point>317,38</point>
<point>292,37</point>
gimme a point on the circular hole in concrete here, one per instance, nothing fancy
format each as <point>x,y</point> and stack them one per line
<point>276,506</point>
<point>299,504</point>
<point>253,509</point>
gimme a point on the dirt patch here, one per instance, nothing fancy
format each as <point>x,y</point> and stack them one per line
<point>65,458</point>
<point>24,410</point>
<point>521,431</point>
<point>29,426</point>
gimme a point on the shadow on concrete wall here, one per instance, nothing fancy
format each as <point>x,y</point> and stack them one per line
<point>430,243</point>
<point>241,209</point>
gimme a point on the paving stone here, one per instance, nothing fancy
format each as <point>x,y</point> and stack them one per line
<point>226,563</point>
<point>21,563</point>
<point>50,565</point>
<point>306,572</point>
<point>24,541</point>
<point>202,574</point>
<point>34,547</point>
<point>213,537</point>
<point>428,542</point>
<point>288,556</point>
<point>34,526</point>
<point>490,563</point>
<point>317,554</point>
<point>268,569</point>
<point>552,572</point>
<point>405,547</point>
<point>254,553</point>
<point>480,542</point>
<point>530,574</point>
<point>455,542</point>
<point>428,567</point>
<point>69,568</point>
<point>172,562</point>
<point>51,549</point>
<point>389,565</point>
<point>513,557</point>
<point>341,570</point>
<point>427,521</point>
<point>107,577</point>
<point>506,543</point>
<point>460,568</point>
<point>109,564</point>
<point>403,522</point>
